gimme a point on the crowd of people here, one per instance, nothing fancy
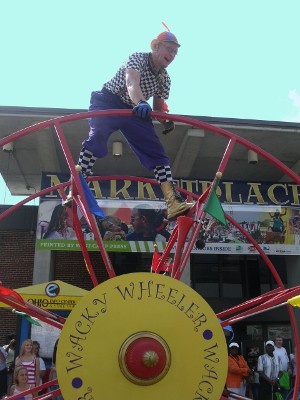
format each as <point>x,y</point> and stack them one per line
<point>270,378</point>
<point>27,370</point>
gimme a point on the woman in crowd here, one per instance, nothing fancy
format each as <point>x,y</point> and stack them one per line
<point>238,370</point>
<point>21,383</point>
<point>28,360</point>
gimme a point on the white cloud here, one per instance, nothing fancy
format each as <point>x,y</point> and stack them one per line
<point>294,96</point>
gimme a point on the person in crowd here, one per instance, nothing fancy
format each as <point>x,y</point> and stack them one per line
<point>42,367</point>
<point>21,383</point>
<point>294,367</point>
<point>255,386</point>
<point>293,378</point>
<point>253,381</point>
<point>53,374</point>
<point>143,75</point>
<point>238,370</point>
<point>270,370</point>
<point>144,224</point>
<point>3,372</point>
<point>28,359</point>
<point>60,226</point>
<point>281,353</point>
<point>10,359</point>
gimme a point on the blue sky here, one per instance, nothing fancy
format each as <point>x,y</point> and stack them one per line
<point>238,59</point>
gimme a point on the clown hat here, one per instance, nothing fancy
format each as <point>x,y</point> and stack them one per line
<point>164,37</point>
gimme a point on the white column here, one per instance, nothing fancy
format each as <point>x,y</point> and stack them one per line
<point>43,270</point>
<point>186,275</point>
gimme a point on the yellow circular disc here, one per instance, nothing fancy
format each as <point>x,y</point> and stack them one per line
<point>142,336</point>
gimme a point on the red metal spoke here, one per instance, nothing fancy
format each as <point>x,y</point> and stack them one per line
<point>257,300</point>
<point>82,244</point>
<point>28,309</point>
<point>226,155</point>
<point>280,297</point>
<point>77,189</point>
<point>259,249</point>
<point>37,388</point>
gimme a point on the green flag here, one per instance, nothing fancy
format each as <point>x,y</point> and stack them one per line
<point>31,320</point>
<point>213,205</point>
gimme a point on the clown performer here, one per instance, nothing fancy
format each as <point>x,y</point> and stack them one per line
<point>141,77</point>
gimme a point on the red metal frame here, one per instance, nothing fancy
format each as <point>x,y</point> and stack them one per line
<point>194,224</point>
<point>46,385</point>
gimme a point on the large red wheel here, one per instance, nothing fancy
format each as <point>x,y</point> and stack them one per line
<point>152,347</point>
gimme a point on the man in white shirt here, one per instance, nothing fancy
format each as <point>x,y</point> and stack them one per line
<point>281,353</point>
<point>269,369</point>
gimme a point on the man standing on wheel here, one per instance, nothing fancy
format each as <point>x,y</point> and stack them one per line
<point>143,76</point>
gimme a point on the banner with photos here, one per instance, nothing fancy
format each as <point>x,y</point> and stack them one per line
<point>135,225</point>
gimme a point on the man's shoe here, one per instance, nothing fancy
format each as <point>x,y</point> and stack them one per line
<point>176,206</point>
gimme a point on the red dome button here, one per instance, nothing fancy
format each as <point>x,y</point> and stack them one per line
<point>144,358</point>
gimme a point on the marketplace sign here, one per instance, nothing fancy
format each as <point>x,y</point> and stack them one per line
<point>230,192</point>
